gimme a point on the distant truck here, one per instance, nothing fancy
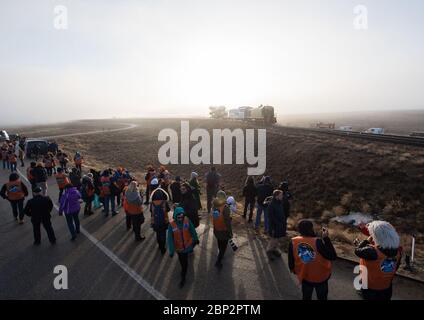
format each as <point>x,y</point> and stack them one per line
<point>4,136</point>
<point>417,134</point>
<point>375,130</point>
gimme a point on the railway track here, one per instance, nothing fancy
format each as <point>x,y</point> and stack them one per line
<point>388,138</point>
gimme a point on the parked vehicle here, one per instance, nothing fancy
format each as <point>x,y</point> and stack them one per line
<point>3,136</point>
<point>218,112</point>
<point>323,125</point>
<point>375,131</point>
<point>31,147</point>
<point>346,128</point>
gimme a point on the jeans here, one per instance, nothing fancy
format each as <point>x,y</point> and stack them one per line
<point>183,258</point>
<point>18,208</point>
<point>161,239</point>
<point>251,204</point>
<point>13,166</point>
<point>258,217</point>
<point>320,288</point>
<point>6,164</point>
<point>135,220</point>
<point>47,226</point>
<point>109,200</point>
<point>73,223</point>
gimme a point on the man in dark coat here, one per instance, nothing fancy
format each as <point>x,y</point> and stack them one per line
<point>189,204</point>
<point>39,208</point>
<point>264,190</point>
<point>40,177</point>
<point>213,180</point>
<point>277,224</point>
<point>176,190</point>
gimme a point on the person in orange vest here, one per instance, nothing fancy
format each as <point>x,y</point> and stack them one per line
<point>87,191</point>
<point>30,176</point>
<point>78,158</point>
<point>310,259</point>
<point>106,193</point>
<point>221,219</point>
<point>15,191</point>
<point>182,238</point>
<point>13,161</point>
<point>62,180</point>
<point>381,255</point>
<point>133,207</point>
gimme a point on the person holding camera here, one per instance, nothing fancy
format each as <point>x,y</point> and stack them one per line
<point>182,238</point>
<point>381,255</point>
<point>222,230</point>
<point>310,259</point>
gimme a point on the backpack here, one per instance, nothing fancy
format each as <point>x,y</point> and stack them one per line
<point>159,216</point>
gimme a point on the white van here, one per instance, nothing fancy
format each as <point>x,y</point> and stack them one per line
<point>375,131</point>
<point>346,128</point>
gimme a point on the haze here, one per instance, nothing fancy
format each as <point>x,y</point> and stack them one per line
<point>162,58</point>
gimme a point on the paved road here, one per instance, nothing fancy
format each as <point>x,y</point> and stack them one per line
<point>105,263</point>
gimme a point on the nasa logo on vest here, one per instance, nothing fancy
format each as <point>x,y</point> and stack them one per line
<point>388,265</point>
<point>306,253</point>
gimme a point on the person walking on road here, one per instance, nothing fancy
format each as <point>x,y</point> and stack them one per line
<point>75,177</point>
<point>189,204</point>
<point>15,191</point>
<point>310,259</point>
<point>150,175</point>
<point>222,229</point>
<point>30,177</point>
<point>13,161</point>
<point>213,180</point>
<point>106,193</point>
<point>176,190</point>
<point>70,206</point>
<point>87,193</point>
<point>249,194</point>
<point>287,197</point>
<point>62,181</point>
<point>159,210</point>
<point>381,255</point>
<point>195,187</point>
<point>39,208</point>
<point>133,206</point>
<point>264,190</point>
<point>78,159</point>
<point>4,156</point>
<point>40,177</point>
<point>182,238</point>
<point>277,224</point>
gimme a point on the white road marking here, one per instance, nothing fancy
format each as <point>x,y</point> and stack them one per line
<point>128,270</point>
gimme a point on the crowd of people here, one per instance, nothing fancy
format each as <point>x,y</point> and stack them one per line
<point>309,255</point>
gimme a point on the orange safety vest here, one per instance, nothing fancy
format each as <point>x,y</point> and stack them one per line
<point>381,271</point>
<point>62,180</point>
<point>131,208</point>
<point>309,265</point>
<point>218,219</point>
<point>105,188</point>
<point>182,237</point>
<point>14,190</point>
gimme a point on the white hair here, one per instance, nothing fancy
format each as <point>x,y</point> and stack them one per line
<point>384,234</point>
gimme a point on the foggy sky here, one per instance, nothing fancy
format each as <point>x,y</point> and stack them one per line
<point>150,58</point>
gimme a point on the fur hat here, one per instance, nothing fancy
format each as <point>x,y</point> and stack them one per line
<point>384,234</point>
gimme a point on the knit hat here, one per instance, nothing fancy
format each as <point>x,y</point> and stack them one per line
<point>178,211</point>
<point>154,181</point>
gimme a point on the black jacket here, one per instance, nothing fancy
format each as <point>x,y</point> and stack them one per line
<point>264,191</point>
<point>365,251</point>
<point>39,208</point>
<point>250,192</point>
<point>176,191</point>
<point>189,204</point>
<point>324,247</point>
<point>277,219</point>
<point>39,174</point>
